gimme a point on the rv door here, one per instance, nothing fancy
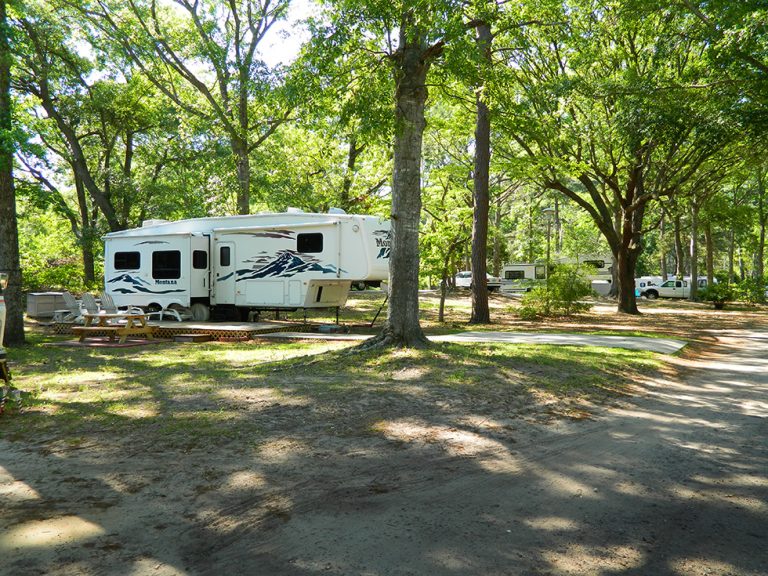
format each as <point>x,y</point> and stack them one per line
<point>224,278</point>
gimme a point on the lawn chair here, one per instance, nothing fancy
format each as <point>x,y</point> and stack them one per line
<point>174,313</point>
<point>73,311</point>
<point>90,304</point>
<point>92,307</point>
<point>108,305</point>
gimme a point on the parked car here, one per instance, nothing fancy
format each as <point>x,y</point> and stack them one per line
<point>464,280</point>
<point>672,289</point>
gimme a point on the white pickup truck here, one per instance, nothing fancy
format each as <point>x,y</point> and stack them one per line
<point>671,289</point>
<point>464,280</point>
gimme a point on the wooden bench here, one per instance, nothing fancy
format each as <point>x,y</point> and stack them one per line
<point>83,331</point>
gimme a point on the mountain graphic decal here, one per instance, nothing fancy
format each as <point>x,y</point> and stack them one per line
<point>129,279</point>
<point>138,285</point>
<point>383,239</point>
<point>288,263</point>
<point>260,258</point>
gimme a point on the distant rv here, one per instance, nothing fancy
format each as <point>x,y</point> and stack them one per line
<point>522,277</point>
<point>235,264</point>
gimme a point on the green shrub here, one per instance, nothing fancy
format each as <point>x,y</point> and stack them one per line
<point>751,290</point>
<point>718,294</point>
<point>566,286</point>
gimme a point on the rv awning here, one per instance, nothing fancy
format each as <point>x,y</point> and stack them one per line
<point>289,226</point>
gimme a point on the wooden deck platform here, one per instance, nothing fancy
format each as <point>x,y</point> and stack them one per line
<point>225,331</point>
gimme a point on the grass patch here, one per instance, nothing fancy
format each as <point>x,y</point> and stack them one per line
<point>208,394</point>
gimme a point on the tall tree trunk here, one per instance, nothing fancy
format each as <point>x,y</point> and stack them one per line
<point>710,247</point>
<point>693,293</point>
<point>480,311</point>
<point>127,201</point>
<point>662,252</point>
<point>531,254</point>
<point>346,186</point>
<point>742,271</point>
<point>411,64</point>
<point>497,239</point>
<point>9,233</point>
<point>86,236</point>
<point>731,251</point>
<point>444,283</point>
<point>679,251</point>
<point>613,291</point>
<point>626,262</point>
<point>558,228</point>
<point>626,257</point>
<point>243,165</point>
<point>762,217</point>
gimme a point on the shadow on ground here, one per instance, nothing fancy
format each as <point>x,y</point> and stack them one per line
<point>279,474</point>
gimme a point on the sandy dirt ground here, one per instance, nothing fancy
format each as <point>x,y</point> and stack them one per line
<point>674,481</point>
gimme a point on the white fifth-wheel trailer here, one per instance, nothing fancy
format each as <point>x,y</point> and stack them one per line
<point>234,264</point>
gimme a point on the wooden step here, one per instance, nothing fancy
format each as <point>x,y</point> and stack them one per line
<point>192,338</point>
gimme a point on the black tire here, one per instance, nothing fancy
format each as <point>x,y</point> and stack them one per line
<point>651,294</point>
<point>200,312</point>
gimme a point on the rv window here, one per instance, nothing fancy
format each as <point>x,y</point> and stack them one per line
<point>514,275</point>
<point>127,260</point>
<point>541,273</point>
<point>309,242</point>
<point>166,264</point>
<point>224,256</point>
<point>199,259</point>
<point>596,263</point>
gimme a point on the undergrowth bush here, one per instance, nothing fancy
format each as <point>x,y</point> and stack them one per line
<point>750,290</point>
<point>562,295</point>
<point>718,294</point>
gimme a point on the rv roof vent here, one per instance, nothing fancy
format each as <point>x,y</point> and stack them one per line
<point>337,211</point>
<point>292,210</point>
<point>153,222</point>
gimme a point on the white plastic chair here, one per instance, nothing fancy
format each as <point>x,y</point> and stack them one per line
<point>90,304</point>
<point>108,305</point>
<point>73,312</point>
<point>174,313</point>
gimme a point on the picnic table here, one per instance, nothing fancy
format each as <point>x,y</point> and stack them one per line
<point>121,324</point>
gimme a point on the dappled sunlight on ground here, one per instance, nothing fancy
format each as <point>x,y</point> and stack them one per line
<point>245,480</point>
<point>15,490</point>
<point>491,455</point>
<point>144,410</point>
<point>153,566</point>
<point>260,398</point>
<point>696,565</point>
<point>283,449</point>
<point>583,559</point>
<point>65,530</point>
<point>552,524</point>
<point>455,460</point>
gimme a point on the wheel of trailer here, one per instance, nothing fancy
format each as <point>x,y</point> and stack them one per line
<point>651,295</point>
<point>358,285</point>
<point>200,312</point>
